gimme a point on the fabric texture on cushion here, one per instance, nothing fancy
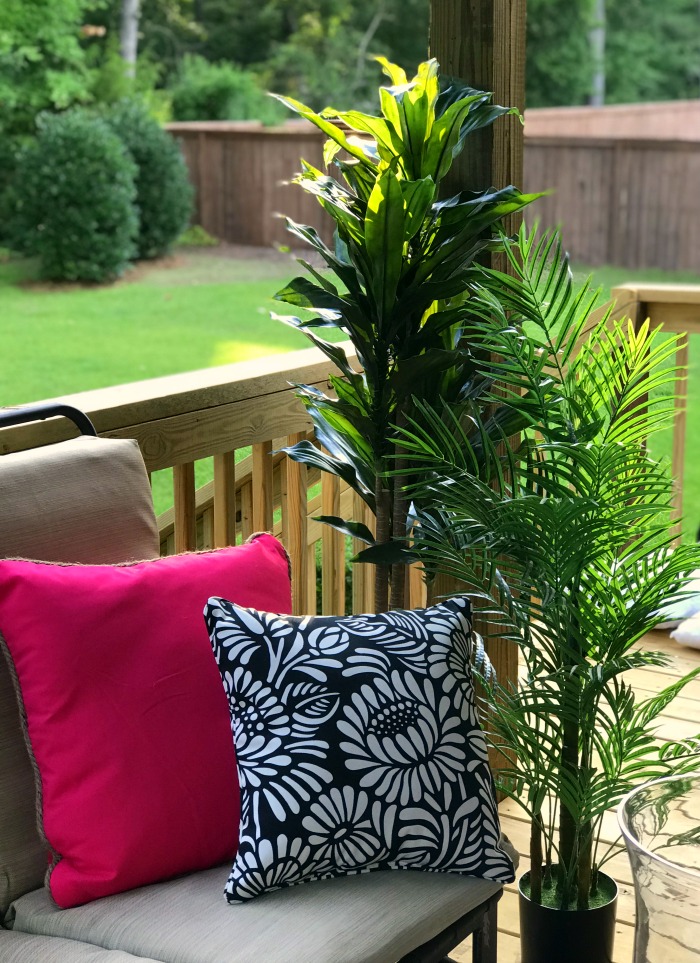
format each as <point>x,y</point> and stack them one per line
<point>358,746</point>
<point>93,500</point>
<point>22,948</point>
<point>85,500</point>
<point>374,918</point>
<point>124,710</point>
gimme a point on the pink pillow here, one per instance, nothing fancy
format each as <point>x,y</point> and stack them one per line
<point>125,712</point>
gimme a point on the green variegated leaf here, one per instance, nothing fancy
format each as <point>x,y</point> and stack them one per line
<point>335,133</point>
<point>384,238</point>
<point>418,197</point>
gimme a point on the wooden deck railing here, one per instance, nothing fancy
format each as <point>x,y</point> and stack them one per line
<point>677,308</point>
<point>241,415</point>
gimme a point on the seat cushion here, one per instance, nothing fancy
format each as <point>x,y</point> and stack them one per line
<point>22,948</point>
<point>373,918</point>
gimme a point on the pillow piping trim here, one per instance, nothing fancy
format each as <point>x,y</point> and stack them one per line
<point>56,857</point>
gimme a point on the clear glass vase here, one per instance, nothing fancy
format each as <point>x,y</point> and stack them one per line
<point>660,822</point>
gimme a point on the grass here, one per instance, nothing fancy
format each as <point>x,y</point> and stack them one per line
<point>195,312</point>
<point>197,309</point>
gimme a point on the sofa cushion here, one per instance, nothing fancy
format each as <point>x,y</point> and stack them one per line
<point>358,746</point>
<point>125,713</point>
<point>22,948</point>
<point>375,918</point>
<point>94,501</point>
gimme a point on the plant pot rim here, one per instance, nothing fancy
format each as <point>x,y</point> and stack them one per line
<point>553,909</point>
<point>631,840</point>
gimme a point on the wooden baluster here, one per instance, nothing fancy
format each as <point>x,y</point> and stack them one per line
<point>311,580</point>
<point>679,425</point>
<point>333,547</point>
<point>362,573</point>
<point>185,508</point>
<point>207,538</point>
<point>295,527</point>
<point>262,487</point>
<point>246,495</point>
<point>225,499</point>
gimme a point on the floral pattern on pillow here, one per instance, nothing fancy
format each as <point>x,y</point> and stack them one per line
<point>358,746</point>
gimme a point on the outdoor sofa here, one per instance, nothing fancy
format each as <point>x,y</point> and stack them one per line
<point>88,500</point>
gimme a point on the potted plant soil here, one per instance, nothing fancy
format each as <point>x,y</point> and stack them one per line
<point>562,538</point>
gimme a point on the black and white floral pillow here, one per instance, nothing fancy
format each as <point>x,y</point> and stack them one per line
<point>358,746</point>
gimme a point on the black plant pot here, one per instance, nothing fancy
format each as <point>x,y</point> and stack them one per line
<point>578,936</point>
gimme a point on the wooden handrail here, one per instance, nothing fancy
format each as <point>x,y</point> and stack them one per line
<point>676,307</point>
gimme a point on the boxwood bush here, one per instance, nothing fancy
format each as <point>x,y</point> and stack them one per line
<point>163,192</point>
<point>74,199</point>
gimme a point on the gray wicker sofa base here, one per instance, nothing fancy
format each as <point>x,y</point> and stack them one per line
<point>88,500</point>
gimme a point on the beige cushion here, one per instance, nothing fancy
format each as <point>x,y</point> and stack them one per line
<point>20,948</point>
<point>373,918</point>
<point>84,500</point>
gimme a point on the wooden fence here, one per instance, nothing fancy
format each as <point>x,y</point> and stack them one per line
<point>632,203</point>
<point>241,174</point>
<point>670,120</point>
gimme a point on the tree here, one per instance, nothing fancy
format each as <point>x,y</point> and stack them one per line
<point>657,60</point>
<point>42,62</point>
<point>129,34</point>
<point>558,55</point>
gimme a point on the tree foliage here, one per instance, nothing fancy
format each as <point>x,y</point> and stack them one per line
<point>42,62</point>
<point>652,51</point>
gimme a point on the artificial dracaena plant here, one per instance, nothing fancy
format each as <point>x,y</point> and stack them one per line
<point>570,554</point>
<point>395,283</point>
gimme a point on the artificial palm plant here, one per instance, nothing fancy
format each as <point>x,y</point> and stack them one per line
<point>568,553</point>
<point>398,275</point>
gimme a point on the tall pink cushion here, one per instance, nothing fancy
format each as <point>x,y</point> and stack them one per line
<point>125,712</point>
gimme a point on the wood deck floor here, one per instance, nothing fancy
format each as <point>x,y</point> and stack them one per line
<point>680,720</point>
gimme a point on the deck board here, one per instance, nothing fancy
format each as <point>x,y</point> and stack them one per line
<point>679,721</point>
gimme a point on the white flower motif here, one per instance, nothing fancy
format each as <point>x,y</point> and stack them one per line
<point>237,633</point>
<point>404,738</point>
<point>272,761</point>
<point>399,636</point>
<point>450,649</point>
<point>325,640</point>
<point>264,865</point>
<point>344,828</point>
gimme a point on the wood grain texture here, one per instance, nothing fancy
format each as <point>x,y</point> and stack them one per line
<point>224,508</point>
<point>242,175</point>
<point>262,487</point>
<point>333,548</point>
<point>296,526</point>
<point>185,508</point>
<point>483,42</point>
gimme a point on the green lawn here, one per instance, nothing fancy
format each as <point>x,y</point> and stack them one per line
<point>198,309</point>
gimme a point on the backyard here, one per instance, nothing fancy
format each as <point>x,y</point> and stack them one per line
<point>197,308</point>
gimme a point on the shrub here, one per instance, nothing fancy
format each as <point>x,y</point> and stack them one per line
<point>207,91</point>
<point>163,191</point>
<point>74,196</point>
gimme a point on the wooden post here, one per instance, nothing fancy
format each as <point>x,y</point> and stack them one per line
<point>483,43</point>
